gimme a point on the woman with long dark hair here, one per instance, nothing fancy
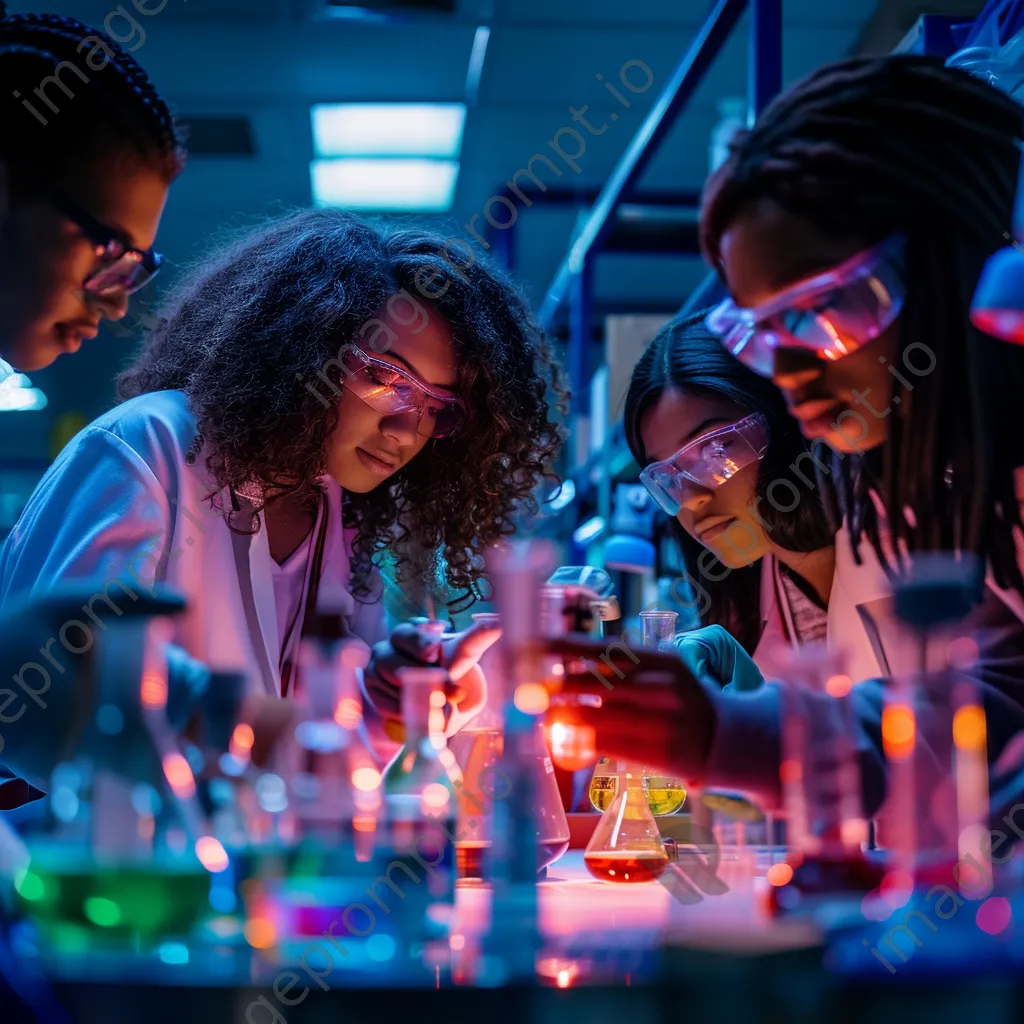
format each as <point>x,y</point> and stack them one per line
<point>317,396</point>
<point>850,226</point>
<point>754,536</point>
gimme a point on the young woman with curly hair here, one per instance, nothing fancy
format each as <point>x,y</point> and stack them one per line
<point>318,394</point>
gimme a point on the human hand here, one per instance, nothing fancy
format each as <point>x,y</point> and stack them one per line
<point>411,646</point>
<point>643,705</point>
<point>714,655</point>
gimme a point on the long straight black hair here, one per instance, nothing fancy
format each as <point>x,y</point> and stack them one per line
<point>684,355</point>
<point>864,148</point>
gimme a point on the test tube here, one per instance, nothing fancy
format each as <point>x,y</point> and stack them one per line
<point>658,629</point>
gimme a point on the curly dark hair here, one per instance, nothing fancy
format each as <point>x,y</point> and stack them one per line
<point>686,355</point>
<point>242,334</point>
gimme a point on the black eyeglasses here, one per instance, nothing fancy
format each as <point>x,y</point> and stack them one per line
<point>122,270</point>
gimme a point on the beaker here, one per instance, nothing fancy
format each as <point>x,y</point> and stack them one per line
<point>659,628</point>
<point>665,793</point>
<point>603,784</point>
<point>626,846</point>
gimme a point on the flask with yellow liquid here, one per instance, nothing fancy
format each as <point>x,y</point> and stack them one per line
<point>665,795</point>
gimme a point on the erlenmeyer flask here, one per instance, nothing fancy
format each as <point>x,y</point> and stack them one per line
<point>124,856</point>
<point>627,846</point>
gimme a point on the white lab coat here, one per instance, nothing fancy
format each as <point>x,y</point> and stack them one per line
<point>861,624</point>
<point>854,588</point>
<point>121,506</point>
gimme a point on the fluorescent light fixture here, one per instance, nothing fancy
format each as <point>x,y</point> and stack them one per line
<point>18,395</point>
<point>359,184</point>
<point>589,531</point>
<point>561,497</point>
<point>476,63</point>
<point>388,129</point>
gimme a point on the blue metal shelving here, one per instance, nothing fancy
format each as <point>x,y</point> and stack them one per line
<point>573,283</point>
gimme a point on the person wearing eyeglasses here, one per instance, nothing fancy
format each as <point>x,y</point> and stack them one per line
<point>725,461</point>
<point>850,226</point>
<point>83,182</point>
<point>318,397</point>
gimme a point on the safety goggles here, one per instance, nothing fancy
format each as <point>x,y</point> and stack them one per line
<point>707,462</point>
<point>120,269</point>
<point>831,314</point>
<point>390,390</point>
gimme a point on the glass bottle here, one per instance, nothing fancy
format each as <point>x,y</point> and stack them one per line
<point>626,846</point>
<point>419,813</point>
<point>320,784</point>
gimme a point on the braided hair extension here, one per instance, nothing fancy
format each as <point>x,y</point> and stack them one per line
<point>864,148</point>
<point>71,97</point>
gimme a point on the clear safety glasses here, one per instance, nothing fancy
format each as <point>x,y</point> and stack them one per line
<point>120,269</point>
<point>707,461</point>
<point>831,314</point>
<point>392,391</point>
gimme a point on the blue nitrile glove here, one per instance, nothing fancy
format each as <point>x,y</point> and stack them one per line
<point>715,657</point>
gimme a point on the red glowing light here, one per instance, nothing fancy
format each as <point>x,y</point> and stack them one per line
<point>780,874</point>
<point>896,888</point>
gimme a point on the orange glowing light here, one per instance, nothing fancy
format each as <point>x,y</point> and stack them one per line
<point>259,933</point>
<point>573,747</point>
<point>780,874</point>
<point>366,779</point>
<point>242,740</point>
<point>349,713</point>
<point>435,797</point>
<point>179,775</point>
<point>790,772</point>
<point>364,824</point>
<point>898,730</point>
<point>564,979</point>
<point>154,691</point>
<point>211,854</point>
<point>838,686</point>
<point>969,731</point>
<point>532,698</point>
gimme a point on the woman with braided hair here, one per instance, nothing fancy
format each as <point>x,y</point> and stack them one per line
<point>850,227</point>
<point>87,152</point>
